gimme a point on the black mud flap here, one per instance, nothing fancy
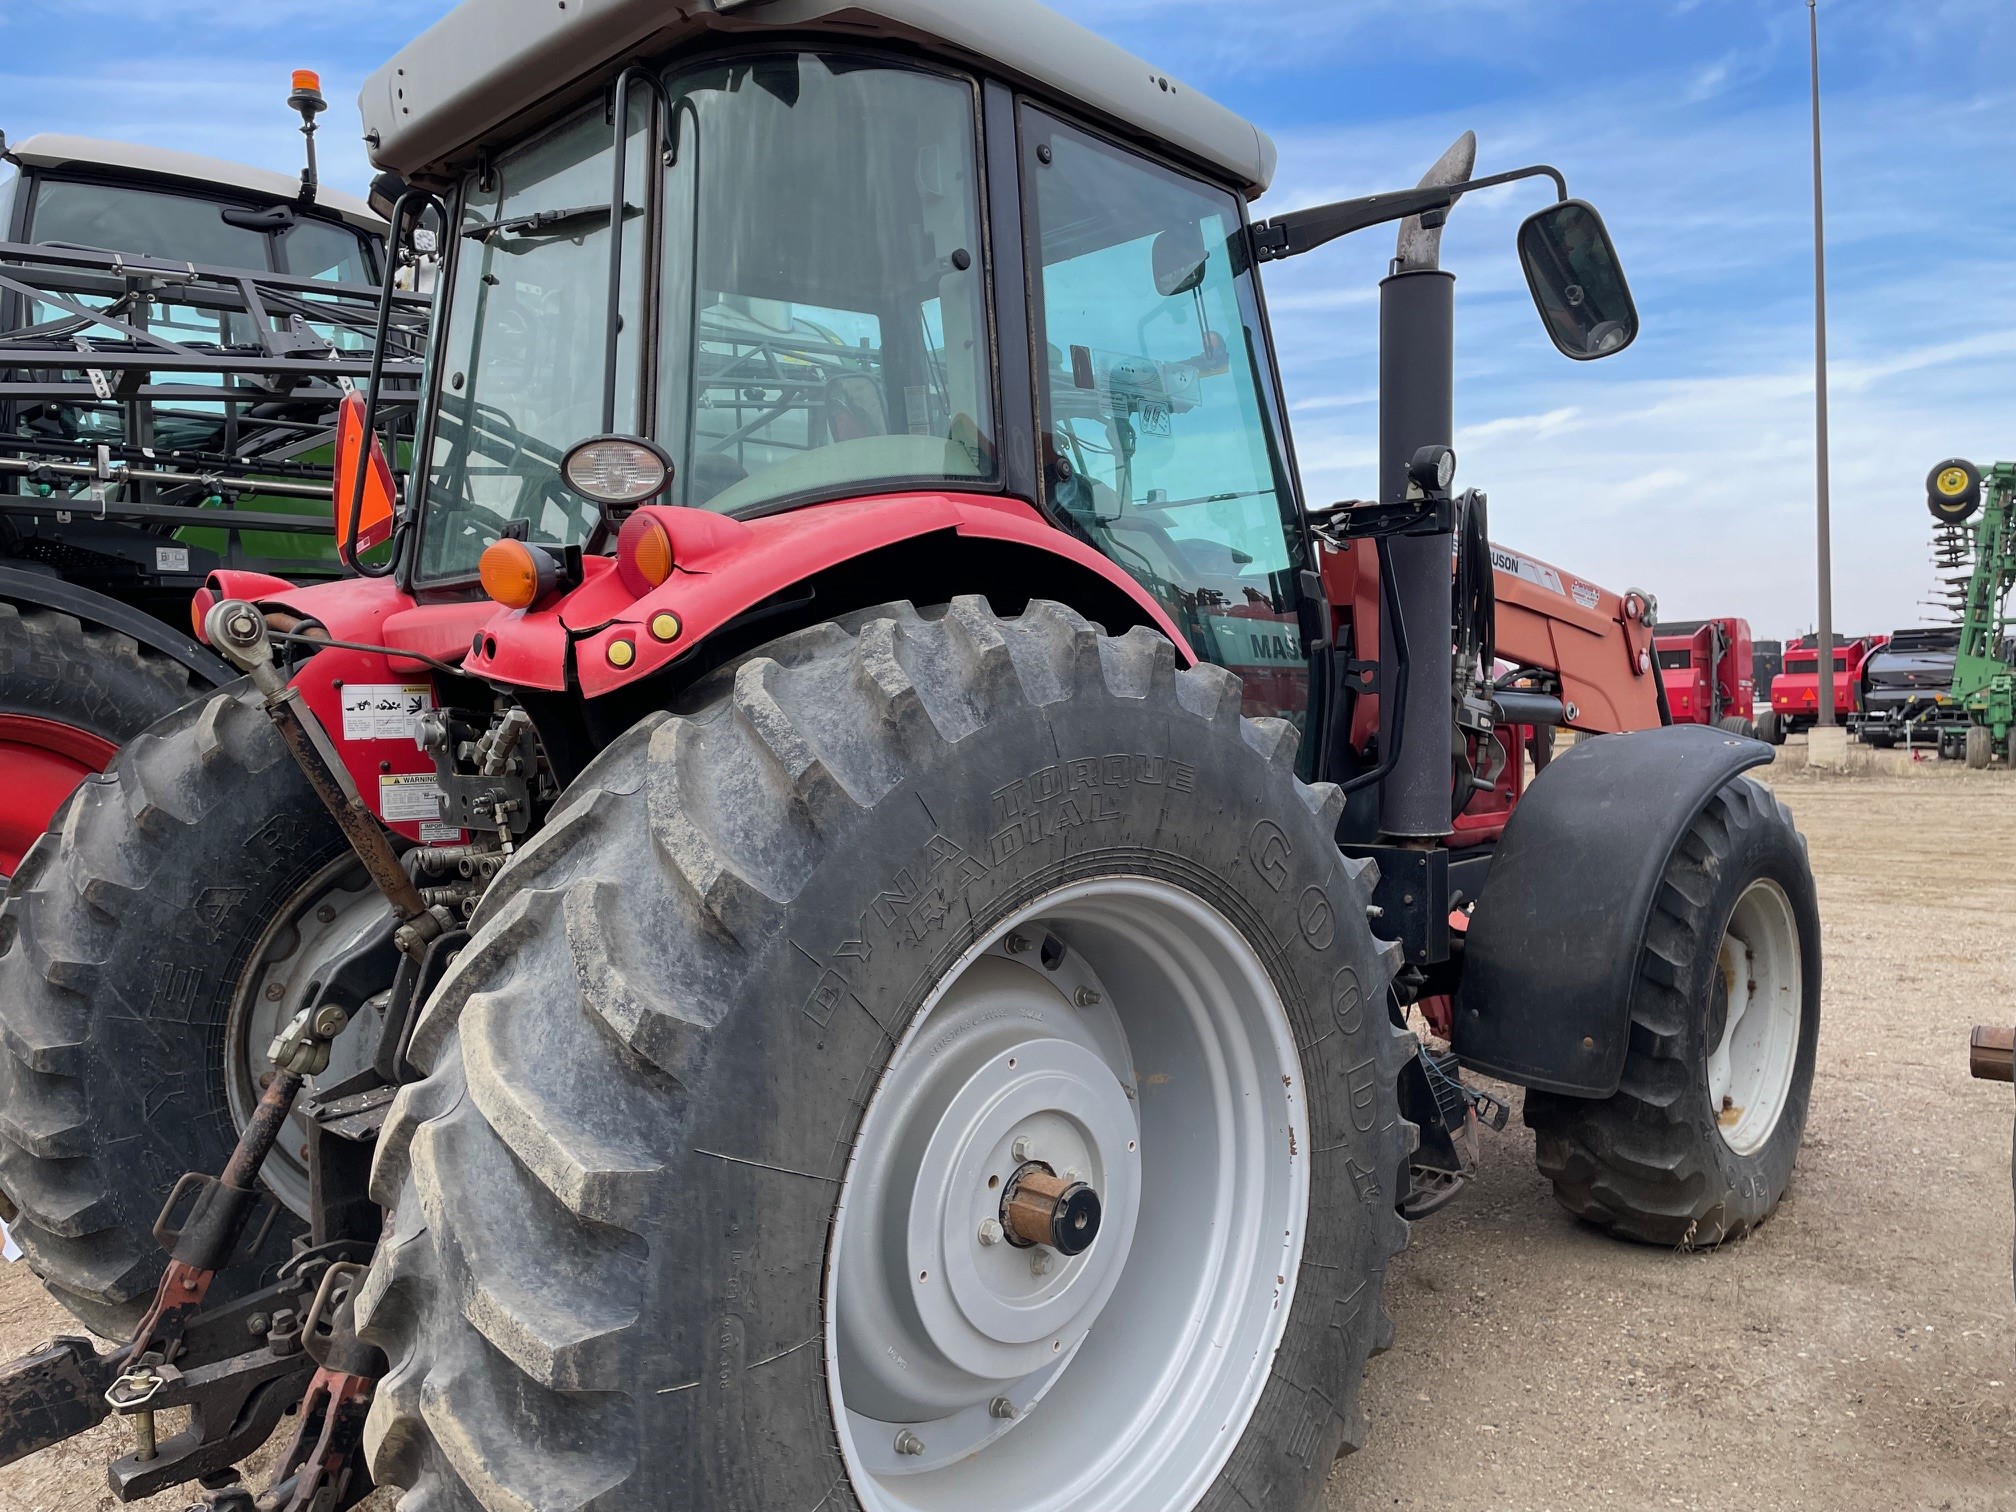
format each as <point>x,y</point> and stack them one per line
<point>1551,955</point>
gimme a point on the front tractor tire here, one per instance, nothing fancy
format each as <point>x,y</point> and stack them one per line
<point>929,988</point>
<point>151,945</point>
<point>1979,748</point>
<point>1697,1145</point>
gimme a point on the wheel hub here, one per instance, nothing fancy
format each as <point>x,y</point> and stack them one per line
<point>1753,1020</point>
<point>325,917</point>
<point>1042,1207</point>
<point>1003,1113</point>
<point>1070,1231</point>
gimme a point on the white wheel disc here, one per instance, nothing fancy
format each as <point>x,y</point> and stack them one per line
<point>327,916</point>
<point>1750,1069</point>
<point>1118,1033</point>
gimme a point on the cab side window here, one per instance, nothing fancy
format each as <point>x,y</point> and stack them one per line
<point>1159,447</point>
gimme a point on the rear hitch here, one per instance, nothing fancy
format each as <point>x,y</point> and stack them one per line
<point>182,1356</point>
<point>54,1394</point>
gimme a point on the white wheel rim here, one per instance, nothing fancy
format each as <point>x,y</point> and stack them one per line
<point>325,917</point>
<point>1750,1069</point>
<point>1147,1050</point>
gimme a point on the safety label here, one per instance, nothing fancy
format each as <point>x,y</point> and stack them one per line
<point>406,796</point>
<point>384,711</point>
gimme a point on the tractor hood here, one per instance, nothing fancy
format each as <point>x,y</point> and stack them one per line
<point>490,69</point>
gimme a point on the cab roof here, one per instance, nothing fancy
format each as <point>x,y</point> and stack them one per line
<point>188,169</point>
<point>469,80</point>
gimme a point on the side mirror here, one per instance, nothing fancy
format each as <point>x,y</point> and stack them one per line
<point>1180,260</point>
<point>1577,282</point>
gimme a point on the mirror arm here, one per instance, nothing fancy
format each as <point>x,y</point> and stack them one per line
<point>1302,231</point>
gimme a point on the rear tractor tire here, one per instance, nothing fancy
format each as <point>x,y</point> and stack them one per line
<point>1735,724</point>
<point>1697,1144</point>
<point>1770,729</point>
<point>152,945</point>
<point>930,989</point>
<point>70,695</point>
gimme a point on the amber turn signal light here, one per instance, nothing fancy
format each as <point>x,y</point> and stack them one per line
<point>516,575</point>
<point>643,552</point>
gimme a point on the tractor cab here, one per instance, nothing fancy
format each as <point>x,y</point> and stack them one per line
<point>813,267</point>
<point>1006,304</point>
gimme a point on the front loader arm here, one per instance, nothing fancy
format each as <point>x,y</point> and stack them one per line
<point>1596,642</point>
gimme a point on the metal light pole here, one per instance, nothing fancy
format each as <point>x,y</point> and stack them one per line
<point>1823,664</point>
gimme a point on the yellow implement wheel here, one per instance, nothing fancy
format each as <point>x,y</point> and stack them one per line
<point>1953,490</point>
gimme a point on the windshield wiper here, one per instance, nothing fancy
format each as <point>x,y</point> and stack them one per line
<point>541,221</point>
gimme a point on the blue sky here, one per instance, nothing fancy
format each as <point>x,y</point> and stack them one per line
<point>1685,465</point>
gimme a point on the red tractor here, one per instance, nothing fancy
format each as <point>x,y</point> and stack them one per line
<point>1705,673</point>
<point>1795,692</point>
<point>838,929</point>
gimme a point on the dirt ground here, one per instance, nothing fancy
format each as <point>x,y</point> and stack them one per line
<point>1852,1356</point>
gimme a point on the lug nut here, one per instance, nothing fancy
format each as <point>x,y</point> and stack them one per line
<point>1017,943</point>
<point>1019,1149</point>
<point>1042,1263</point>
<point>908,1443</point>
<point>1001,1407</point>
<point>990,1231</point>
<point>1087,998</point>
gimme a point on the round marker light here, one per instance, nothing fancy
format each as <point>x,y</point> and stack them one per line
<point>516,575</point>
<point>616,470</point>
<point>621,653</point>
<point>643,552</point>
<point>665,626</point>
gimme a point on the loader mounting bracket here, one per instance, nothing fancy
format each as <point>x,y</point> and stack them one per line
<point>1418,886</point>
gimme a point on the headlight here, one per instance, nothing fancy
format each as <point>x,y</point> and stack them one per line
<point>616,469</point>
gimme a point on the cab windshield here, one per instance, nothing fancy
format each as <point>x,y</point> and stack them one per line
<point>808,265</point>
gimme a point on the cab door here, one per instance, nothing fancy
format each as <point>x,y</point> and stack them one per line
<point>1159,441</point>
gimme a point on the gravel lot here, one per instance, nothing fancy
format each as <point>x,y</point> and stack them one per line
<point>1853,1356</point>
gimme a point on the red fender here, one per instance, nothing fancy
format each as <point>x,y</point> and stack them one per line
<point>364,698</point>
<point>725,566</point>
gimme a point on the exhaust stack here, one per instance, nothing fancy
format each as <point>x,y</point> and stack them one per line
<point>1417,303</point>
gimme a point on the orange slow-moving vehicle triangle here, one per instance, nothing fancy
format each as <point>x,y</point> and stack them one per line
<point>374,519</point>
